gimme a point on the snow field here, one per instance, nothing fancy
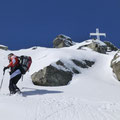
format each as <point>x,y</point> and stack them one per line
<point>91,95</point>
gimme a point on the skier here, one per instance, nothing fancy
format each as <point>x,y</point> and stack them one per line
<point>15,73</point>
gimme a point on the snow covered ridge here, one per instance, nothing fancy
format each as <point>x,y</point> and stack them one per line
<point>68,62</point>
<point>64,41</point>
<point>92,94</point>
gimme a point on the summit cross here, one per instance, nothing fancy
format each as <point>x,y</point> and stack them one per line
<point>97,34</point>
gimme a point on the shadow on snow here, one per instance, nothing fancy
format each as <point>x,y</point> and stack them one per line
<point>38,92</point>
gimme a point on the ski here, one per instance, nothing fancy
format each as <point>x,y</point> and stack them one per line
<point>8,94</point>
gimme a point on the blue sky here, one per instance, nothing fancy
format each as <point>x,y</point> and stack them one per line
<point>27,23</point>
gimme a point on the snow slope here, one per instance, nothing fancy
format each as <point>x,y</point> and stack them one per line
<point>91,95</point>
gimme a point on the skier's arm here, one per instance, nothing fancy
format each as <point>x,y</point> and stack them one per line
<point>10,65</point>
<point>5,68</point>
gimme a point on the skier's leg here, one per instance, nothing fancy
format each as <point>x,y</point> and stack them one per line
<point>11,87</point>
<point>15,81</point>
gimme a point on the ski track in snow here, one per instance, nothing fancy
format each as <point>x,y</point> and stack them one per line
<point>65,108</point>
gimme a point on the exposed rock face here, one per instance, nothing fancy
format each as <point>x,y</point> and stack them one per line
<point>84,64</point>
<point>110,46</point>
<point>3,47</point>
<point>59,73</point>
<point>98,48</point>
<point>115,64</point>
<point>51,76</point>
<point>96,45</point>
<point>62,41</point>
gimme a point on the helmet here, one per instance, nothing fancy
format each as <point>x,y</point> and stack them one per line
<point>9,55</point>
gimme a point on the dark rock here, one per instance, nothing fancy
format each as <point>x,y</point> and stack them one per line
<point>79,63</point>
<point>110,46</point>
<point>89,63</point>
<point>3,47</point>
<point>96,45</point>
<point>115,64</point>
<point>34,48</point>
<point>51,76</point>
<point>62,41</point>
<point>75,71</point>
<point>84,63</point>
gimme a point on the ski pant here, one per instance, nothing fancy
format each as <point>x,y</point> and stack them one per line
<point>12,84</point>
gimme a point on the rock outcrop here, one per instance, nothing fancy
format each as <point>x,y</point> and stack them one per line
<point>3,47</point>
<point>115,64</point>
<point>110,46</point>
<point>62,41</point>
<point>59,73</point>
<point>51,76</point>
<point>96,45</point>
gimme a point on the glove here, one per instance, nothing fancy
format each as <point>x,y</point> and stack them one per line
<point>5,68</point>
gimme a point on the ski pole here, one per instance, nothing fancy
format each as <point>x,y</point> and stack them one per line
<point>22,78</point>
<point>2,80</point>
